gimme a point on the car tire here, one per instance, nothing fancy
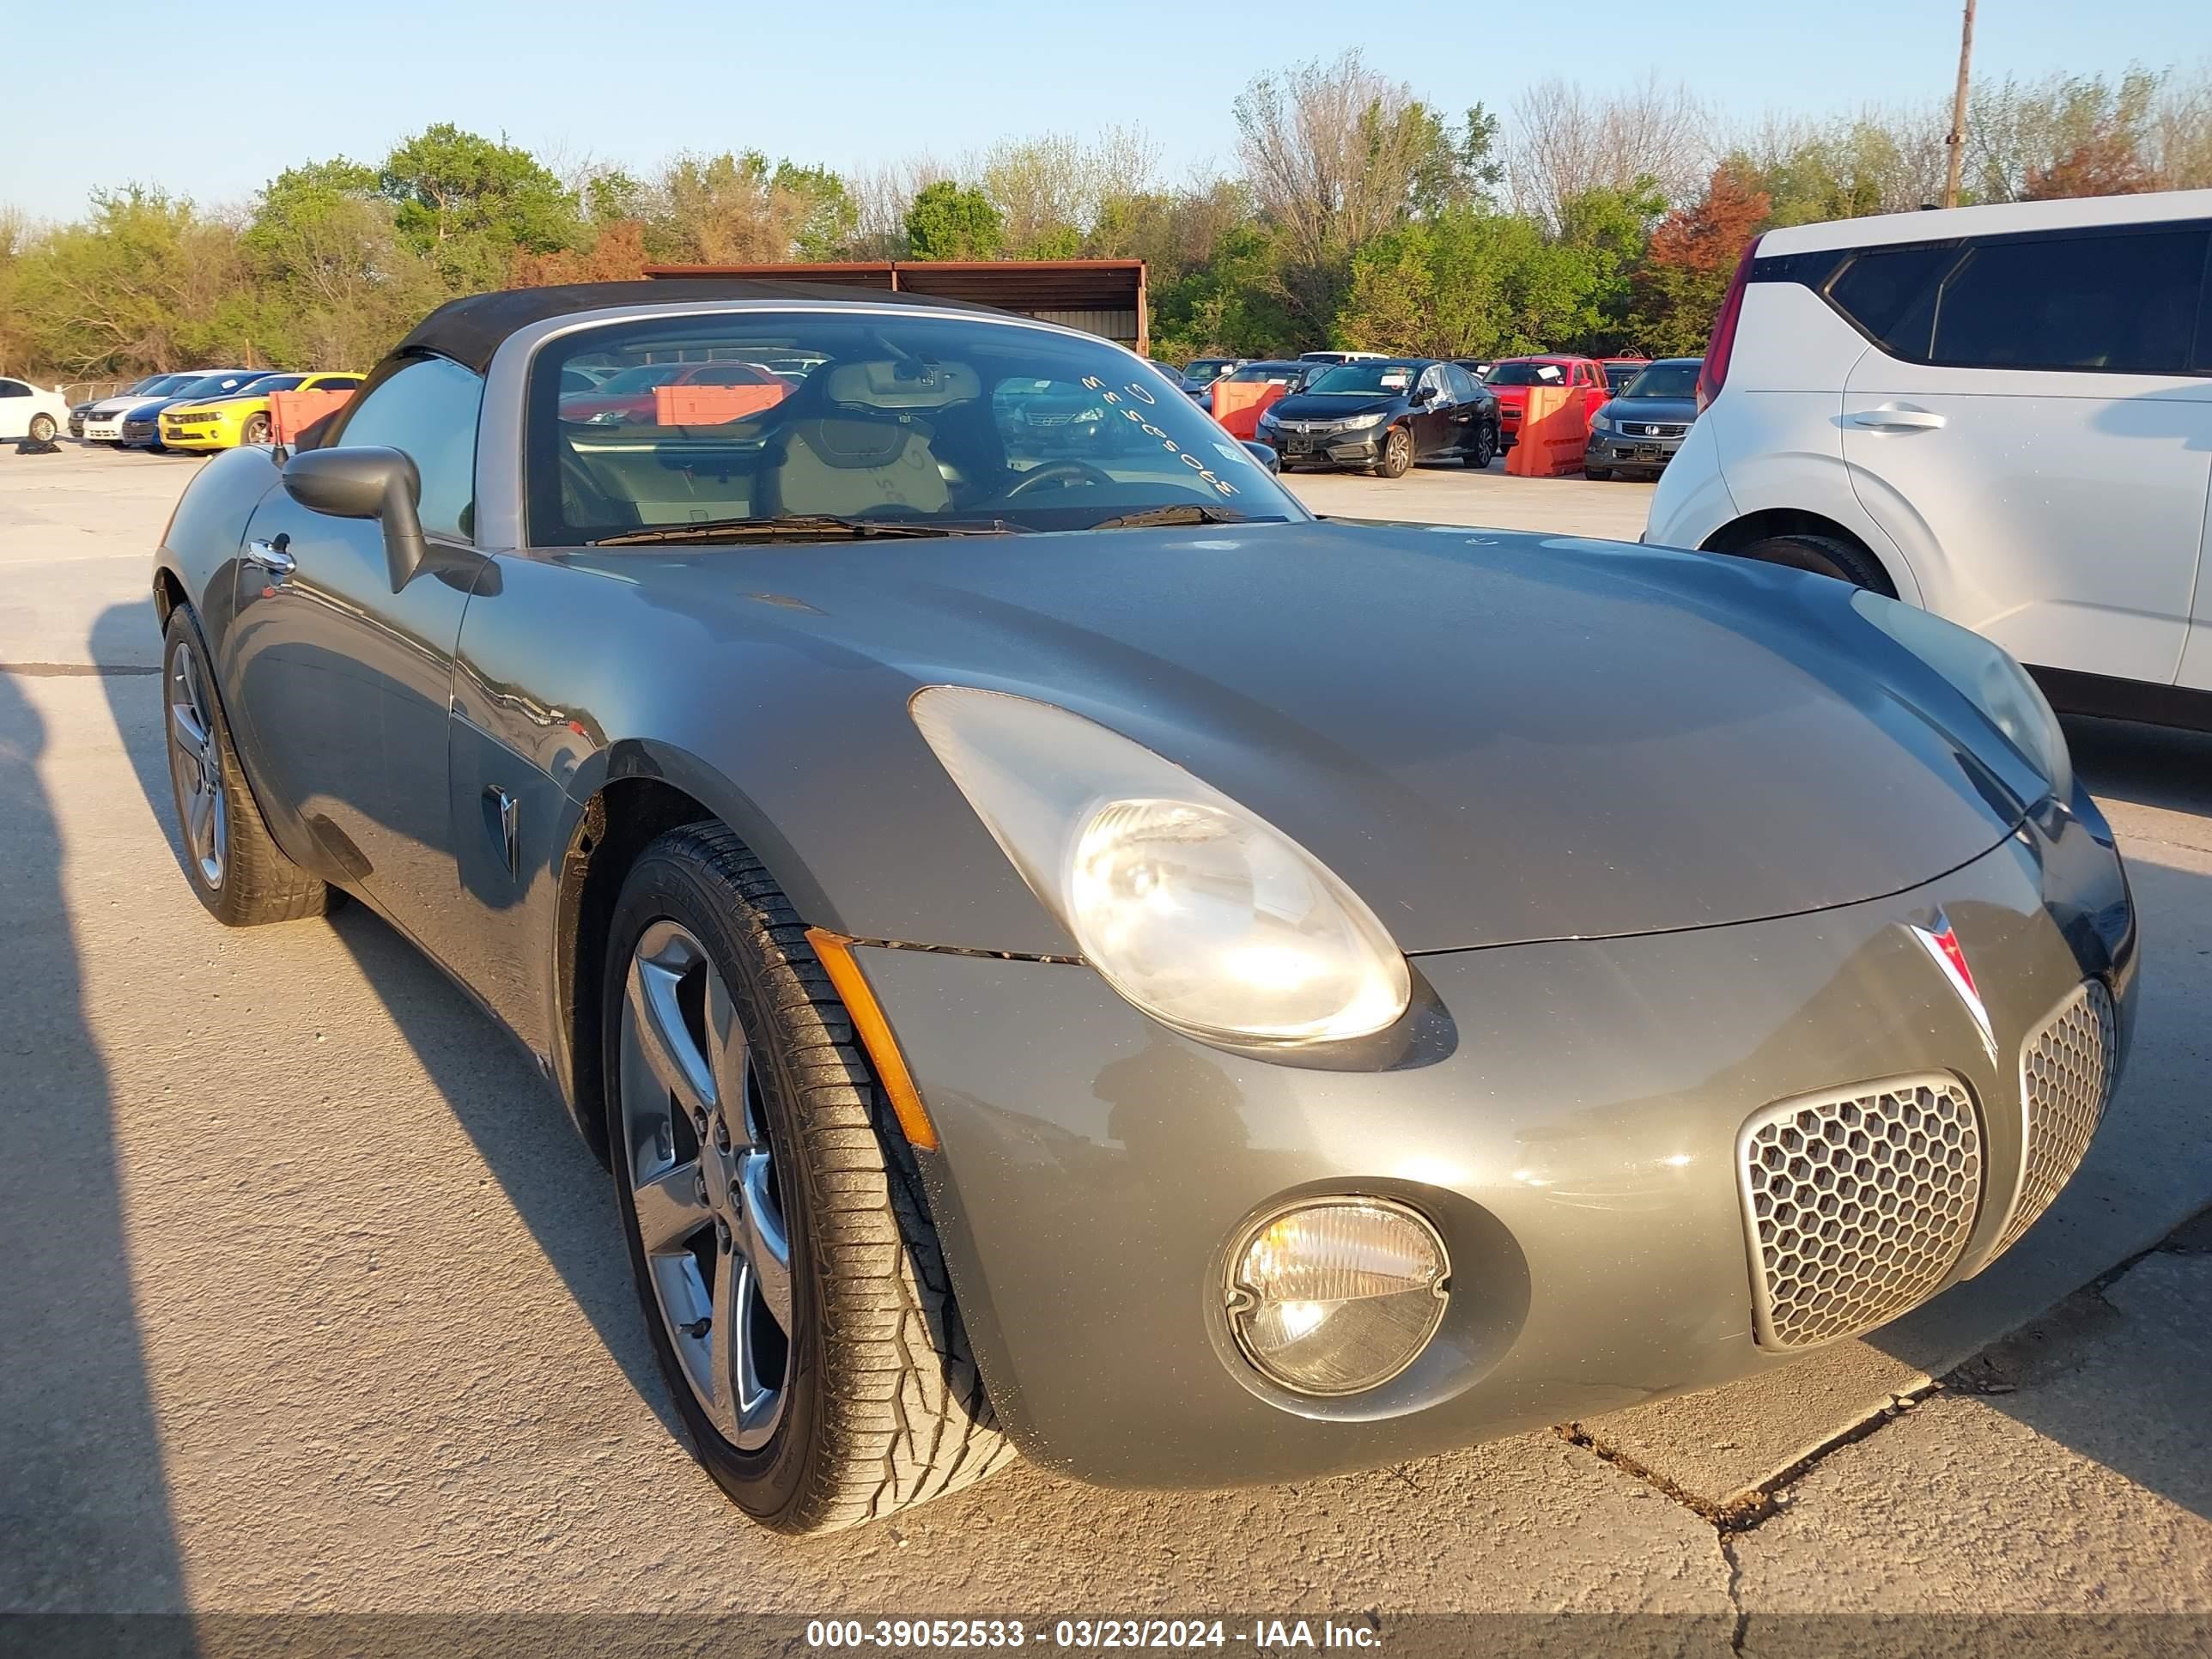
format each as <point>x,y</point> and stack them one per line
<point>236,867</point>
<point>1483,450</point>
<point>42,428</point>
<point>1824,555</point>
<point>1598,474</point>
<point>1397,453</point>
<point>879,1404</point>
<point>255,431</point>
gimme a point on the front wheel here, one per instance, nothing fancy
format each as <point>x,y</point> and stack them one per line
<point>235,866</point>
<point>1598,474</point>
<point>823,1378</point>
<point>42,428</point>
<point>255,431</point>
<point>1482,448</point>
<point>1397,453</point>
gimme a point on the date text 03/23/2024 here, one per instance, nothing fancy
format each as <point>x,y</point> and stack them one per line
<point>1090,1635</point>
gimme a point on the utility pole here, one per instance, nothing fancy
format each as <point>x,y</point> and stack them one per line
<point>1956,140</point>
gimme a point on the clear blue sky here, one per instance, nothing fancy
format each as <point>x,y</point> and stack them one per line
<point>90,88</point>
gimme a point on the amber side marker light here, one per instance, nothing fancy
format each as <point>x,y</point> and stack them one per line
<point>835,951</point>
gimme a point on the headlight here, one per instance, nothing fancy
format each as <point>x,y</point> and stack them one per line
<point>1361,423</point>
<point>1601,423</point>
<point>608,417</point>
<point>1197,911</point>
<point>1987,678</point>
<point>1266,420</point>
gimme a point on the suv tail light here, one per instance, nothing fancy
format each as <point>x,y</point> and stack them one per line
<point>1713,374</point>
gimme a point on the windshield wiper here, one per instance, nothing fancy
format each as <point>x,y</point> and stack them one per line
<point>1182,513</point>
<point>802,526</point>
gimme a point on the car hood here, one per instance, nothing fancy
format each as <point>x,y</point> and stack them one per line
<point>1493,738</point>
<point>119,405</point>
<point>1306,406</point>
<point>1653,409</point>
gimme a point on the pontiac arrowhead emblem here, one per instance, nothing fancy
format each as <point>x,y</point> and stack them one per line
<point>1942,944</point>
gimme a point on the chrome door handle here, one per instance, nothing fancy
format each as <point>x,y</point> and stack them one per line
<point>270,557</point>
<point>1896,419</point>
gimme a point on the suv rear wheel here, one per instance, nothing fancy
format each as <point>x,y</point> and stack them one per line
<point>1824,555</point>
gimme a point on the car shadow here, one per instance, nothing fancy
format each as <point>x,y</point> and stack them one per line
<point>84,1502</point>
<point>554,1183</point>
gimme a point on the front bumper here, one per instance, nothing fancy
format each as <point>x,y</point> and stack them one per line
<point>106,430</point>
<point>1628,453</point>
<point>1358,448</point>
<point>205,433</point>
<point>1569,1117</point>
<point>133,432</point>
<point>76,423</point>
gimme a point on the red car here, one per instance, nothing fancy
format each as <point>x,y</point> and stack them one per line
<point>1511,378</point>
<point>625,397</point>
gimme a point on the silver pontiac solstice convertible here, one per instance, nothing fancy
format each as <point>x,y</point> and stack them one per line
<point>1064,951</point>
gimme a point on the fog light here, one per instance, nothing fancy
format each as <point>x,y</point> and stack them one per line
<point>1340,1294</point>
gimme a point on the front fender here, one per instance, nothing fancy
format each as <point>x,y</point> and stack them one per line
<point>198,550</point>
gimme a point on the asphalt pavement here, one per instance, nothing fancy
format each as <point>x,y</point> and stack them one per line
<point>311,1301</point>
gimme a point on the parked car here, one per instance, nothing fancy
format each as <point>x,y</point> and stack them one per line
<point>30,412</point>
<point>1383,416</point>
<point>1307,1064</point>
<point>242,417</point>
<point>1619,371</point>
<point>1636,433</point>
<point>103,418</point>
<point>1511,378</point>
<point>1289,375</point>
<point>625,399</point>
<point>1478,367</point>
<point>1201,373</point>
<point>2000,413</point>
<point>1342,356</point>
<point>141,425</point>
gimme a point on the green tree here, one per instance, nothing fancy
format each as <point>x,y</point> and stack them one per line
<point>471,204</point>
<point>331,273</point>
<point>949,222</point>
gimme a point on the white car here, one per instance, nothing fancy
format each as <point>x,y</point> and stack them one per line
<point>2002,414</point>
<point>30,411</point>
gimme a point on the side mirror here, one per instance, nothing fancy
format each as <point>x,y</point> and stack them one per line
<point>365,484</point>
<point>1265,455</point>
<point>1424,394</point>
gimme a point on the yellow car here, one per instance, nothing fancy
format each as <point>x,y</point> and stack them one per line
<point>226,422</point>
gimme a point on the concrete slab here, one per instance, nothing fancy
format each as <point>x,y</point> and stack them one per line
<point>2088,1490</point>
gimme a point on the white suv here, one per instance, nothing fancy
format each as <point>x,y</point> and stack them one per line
<point>2002,414</point>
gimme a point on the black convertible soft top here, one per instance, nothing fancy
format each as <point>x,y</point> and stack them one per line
<point>470,330</point>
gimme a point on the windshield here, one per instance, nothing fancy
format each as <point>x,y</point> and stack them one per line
<point>1526,374</point>
<point>1282,374</point>
<point>164,384</point>
<point>266,384</point>
<point>922,422</point>
<point>1207,369</point>
<point>1618,375</point>
<point>216,385</point>
<point>1363,380</point>
<point>1665,380</point>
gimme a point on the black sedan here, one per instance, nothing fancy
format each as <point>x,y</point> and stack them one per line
<point>1382,415</point>
<point>1637,433</point>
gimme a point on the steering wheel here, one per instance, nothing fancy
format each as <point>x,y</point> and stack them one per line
<point>1063,473</point>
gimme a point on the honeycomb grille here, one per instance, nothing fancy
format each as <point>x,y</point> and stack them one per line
<point>1858,1205</point>
<point>2065,1078</point>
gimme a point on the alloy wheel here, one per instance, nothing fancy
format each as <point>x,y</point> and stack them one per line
<point>195,768</point>
<point>695,1149</point>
